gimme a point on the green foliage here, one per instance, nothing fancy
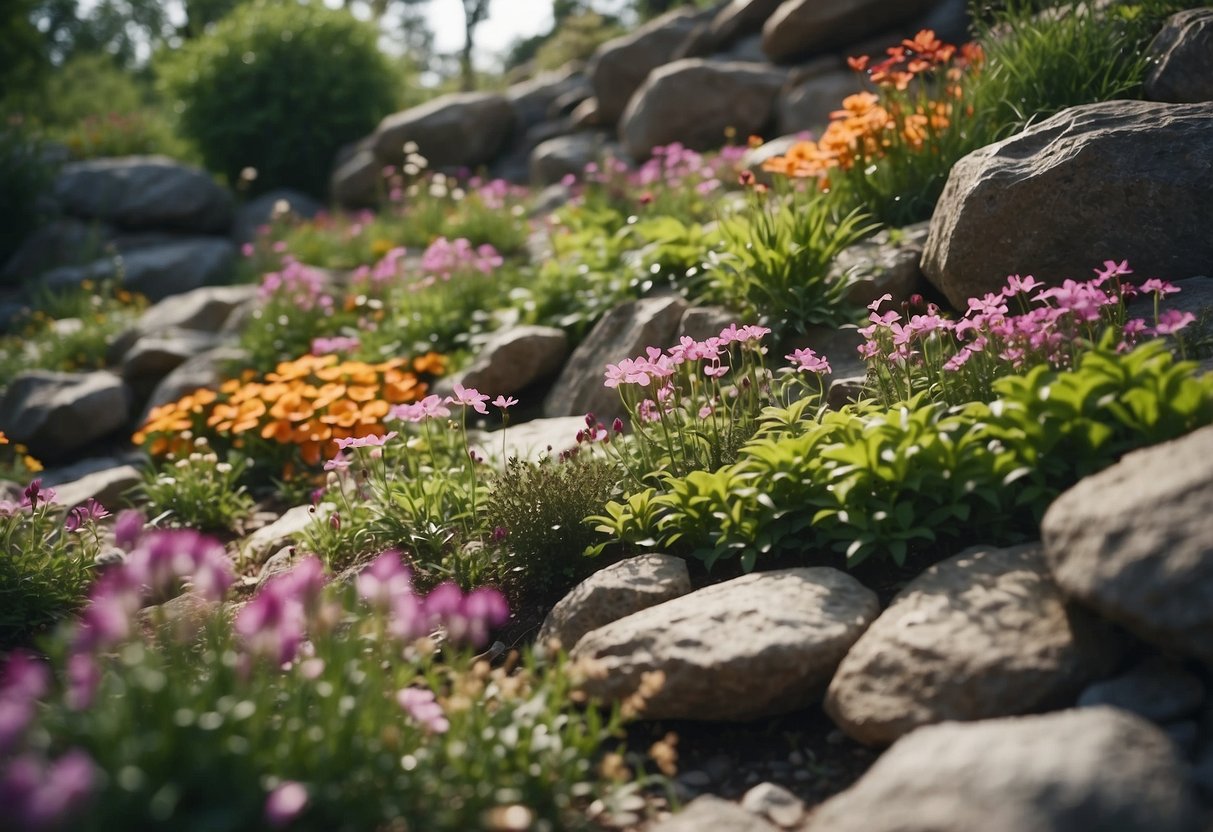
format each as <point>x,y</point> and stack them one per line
<point>1039,63</point>
<point>45,570</point>
<point>279,88</point>
<point>775,259</point>
<point>198,491</point>
<point>575,39</point>
<point>538,510</point>
<point>69,330</point>
<point>870,481</point>
<point>24,172</point>
<point>192,731</point>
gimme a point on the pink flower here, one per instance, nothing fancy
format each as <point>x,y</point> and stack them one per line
<point>38,794</point>
<point>285,803</point>
<point>1159,287</point>
<point>165,557</point>
<point>1112,269</point>
<point>1017,285</point>
<point>422,707</point>
<point>715,371</point>
<point>469,397</point>
<point>384,579</point>
<point>875,305</point>
<point>86,514</point>
<point>128,528</point>
<point>1135,326</point>
<point>82,677</point>
<point>371,441</point>
<point>34,492</point>
<point>809,361</point>
<point>338,343</point>
<point>1172,321</point>
<point>504,402</point>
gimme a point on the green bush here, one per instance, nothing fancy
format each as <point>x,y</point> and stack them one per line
<point>24,172</point>
<point>868,481</point>
<point>279,88</point>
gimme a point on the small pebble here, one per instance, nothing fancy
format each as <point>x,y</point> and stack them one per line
<point>695,779</point>
<point>796,758</point>
<point>775,803</point>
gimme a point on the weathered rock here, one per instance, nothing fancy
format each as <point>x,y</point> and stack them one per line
<point>775,803</point>
<point>532,99</point>
<point>56,414</point>
<point>111,487</point>
<point>803,27</point>
<point>983,634</point>
<point>1090,769</point>
<point>619,66</point>
<point>279,563</point>
<point>623,332</point>
<point>144,192</point>
<point>158,271</point>
<point>812,93</point>
<point>261,210</point>
<point>1158,689</point>
<point>514,359</point>
<point>1135,542</point>
<point>670,105</point>
<point>357,182</point>
<point>60,242</point>
<point>157,354</point>
<point>746,50</point>
<point>286,529</point>
<point>704,322</point>
<point>737,19</point>
<point>203,310</point>
<point>1181,59</point>
<point>203,370</point>
<point>759,645</point>
<point>710,812</point>
<point>183,615</point>
<point>886,263</point>
<point>555,158</point>
<point>529,440</point>
<point>613,593</point>
<point>1026,203</point>
<point>462,129</point>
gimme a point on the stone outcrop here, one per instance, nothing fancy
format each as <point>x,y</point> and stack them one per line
<point>759,645</point>
<point>1086,185</point>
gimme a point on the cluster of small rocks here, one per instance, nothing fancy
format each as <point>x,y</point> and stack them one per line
<point>1057,685</point>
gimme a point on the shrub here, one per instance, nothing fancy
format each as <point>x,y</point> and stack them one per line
<point>197,490</point>
<point>46,565</point>
<point>25,170</point>
<point>537,512</point>
<point>279,88</point>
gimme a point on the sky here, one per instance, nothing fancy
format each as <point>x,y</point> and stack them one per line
<point>508,21</point>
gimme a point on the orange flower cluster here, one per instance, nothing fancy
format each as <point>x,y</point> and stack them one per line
<point>306,404</point>
<point>22,462</point>
<point>868,124</point>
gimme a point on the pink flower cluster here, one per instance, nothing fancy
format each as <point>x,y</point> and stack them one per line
<point>657,365</point>
<point>436,407</point>
<point>495,193</point>
<point>1051,323</point>
<point>301,285</point>
<point>273,624</point>
<point>337,343</point>
<point>445,258</point>
<point>385,271</point>
<point>386,584</point>
<point>33,496</point>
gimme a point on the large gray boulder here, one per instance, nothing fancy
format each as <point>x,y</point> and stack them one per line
<point>204,310</point>
<point>811,94</point>
<point>357,182</point>
<point>1088,184</point>
<point>1094,769</point>
<point>533,100</point>
<point>755,646</point>
<point>737,19</point>
<point>205,369</point>
<point>619,66</point>
<point>1181,59</point>
<point>111,487</point>
<point>144,192</point>
<point>261,210</point>
<point>886,263</point>
<point>623,332</point>
<point>1135,542</point>
<point>61,242</point>
<point>56,414</point>
<point>671,105</point>
<point>558,157</point>
<point>615,592</point>
<point>711,812</point>
<point>457,130</point>
<point>513,359</point>
<point>157,271</point>
<point>934,654</point>
<point>804,27</point>
<point>158,353</point>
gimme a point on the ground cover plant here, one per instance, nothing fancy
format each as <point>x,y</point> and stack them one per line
<point>316,707</point>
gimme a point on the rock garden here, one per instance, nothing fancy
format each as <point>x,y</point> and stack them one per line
<point>798,417</point>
